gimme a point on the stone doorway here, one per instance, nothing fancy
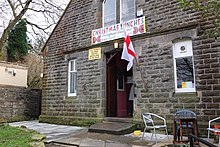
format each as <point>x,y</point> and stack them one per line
<point>119,84</point>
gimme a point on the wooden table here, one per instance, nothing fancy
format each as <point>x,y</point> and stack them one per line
<point>184,121</point>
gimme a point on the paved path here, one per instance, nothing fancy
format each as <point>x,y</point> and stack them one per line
<point>63,136</point>
<point>51,131</point>
<point>108,140</point>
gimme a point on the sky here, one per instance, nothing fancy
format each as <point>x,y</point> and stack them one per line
<point>37,18</point>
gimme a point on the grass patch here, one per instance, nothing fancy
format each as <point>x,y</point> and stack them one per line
<point>15,136</point>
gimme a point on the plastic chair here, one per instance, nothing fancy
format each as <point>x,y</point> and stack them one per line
<point>183,114</point>
<point>214,130</point>
<point>150,123</point>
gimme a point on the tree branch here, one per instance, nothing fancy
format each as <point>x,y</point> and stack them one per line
<point>18,9</point>
<point>12,24</point>
<point>12,8</point>
<point>39,27</point>
<point>20,4</point>
<point>42,11</point>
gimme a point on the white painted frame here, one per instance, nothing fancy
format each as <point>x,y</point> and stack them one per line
<point>69,76</point>
<point>188,53</point>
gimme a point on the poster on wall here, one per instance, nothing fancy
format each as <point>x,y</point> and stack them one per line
<point>187,84</point>
<point>132,27</point>
<point>94,53</point>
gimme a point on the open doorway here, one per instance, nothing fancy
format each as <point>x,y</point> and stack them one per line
<point>119,85</point>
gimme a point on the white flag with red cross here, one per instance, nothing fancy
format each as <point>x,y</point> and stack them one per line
<point>128,52</point>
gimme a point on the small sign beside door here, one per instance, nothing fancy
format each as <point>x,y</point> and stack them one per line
<point>94,53</point>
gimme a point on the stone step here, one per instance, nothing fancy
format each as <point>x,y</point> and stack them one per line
<point>115,128</point>
<point>118,119</point>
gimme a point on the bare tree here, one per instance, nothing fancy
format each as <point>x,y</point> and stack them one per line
<point>11,11</point>
<point>34,63</point>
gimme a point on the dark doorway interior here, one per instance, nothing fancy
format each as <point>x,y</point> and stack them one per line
<point>119,85</point>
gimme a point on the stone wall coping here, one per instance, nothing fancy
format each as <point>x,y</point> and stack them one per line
<point>13,65</point>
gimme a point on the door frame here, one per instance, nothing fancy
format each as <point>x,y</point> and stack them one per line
<point>112,60</point>
<point>111,84</point>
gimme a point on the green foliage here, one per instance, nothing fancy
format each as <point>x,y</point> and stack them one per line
<point>17,42</point>
<point>14,137</point>
<point>209,9</point>
<point>189,3</point>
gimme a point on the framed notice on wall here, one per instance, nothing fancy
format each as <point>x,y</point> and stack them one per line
<point>94,53</point>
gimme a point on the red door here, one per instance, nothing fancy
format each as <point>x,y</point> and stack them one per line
<point>121,96</point>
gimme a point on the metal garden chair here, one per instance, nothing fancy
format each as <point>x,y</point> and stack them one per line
<point>153,122</point>
<point>214,130</point>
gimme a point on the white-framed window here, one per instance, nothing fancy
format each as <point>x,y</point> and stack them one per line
<point>72,78</point>
<point>184,73</point>
<point>115,11</point>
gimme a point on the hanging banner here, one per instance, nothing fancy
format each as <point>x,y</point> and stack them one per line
<point>94,53</point>
<point>132,27</point>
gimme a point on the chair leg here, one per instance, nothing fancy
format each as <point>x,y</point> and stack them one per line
<point>208,135</point>
<point>178,134</point>
<point>155,135</point>
<point>152,134</point>
<point>218,140</point>
<point>167,134</point>
<point>143,133</point>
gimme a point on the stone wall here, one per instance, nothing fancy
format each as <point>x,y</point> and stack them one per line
<point>73,32</point>
<point>156,65</point>
<point>19,104</point>
<point>165,22</point>
<point>89,102</point>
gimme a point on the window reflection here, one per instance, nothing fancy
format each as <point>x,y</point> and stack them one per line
<point>128,10</point>
<point>120,81</point>
<point>114,11</point>
<point>185,77</point>
<point>73,82</point>
<point>72,78</point>
<point>109,12</point>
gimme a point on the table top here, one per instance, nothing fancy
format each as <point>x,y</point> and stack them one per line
<point>184,118</point>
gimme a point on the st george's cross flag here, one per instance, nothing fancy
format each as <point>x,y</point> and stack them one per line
<point>128,52</point>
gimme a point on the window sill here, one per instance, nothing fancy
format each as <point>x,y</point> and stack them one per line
<point>185,94</point>
<point>70,98</point>
<point>71,95</point>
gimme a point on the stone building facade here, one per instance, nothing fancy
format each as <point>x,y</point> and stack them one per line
<point>157,87</point>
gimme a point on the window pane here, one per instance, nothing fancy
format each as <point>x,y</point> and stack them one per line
<point>184,71</point>
<point>75,65</point>
<point>128,10</point>
<point>73,82</point>
<point>109,12</point>
<point>71,65</point>
<point>121,82</point>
